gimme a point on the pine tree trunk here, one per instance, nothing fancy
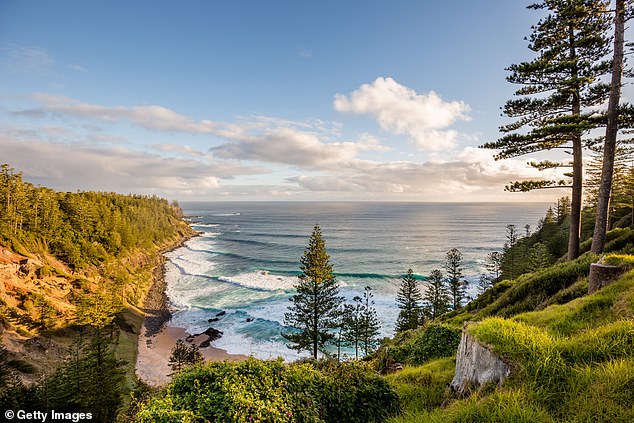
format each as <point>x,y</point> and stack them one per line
<point>575,203</point>
<point>577,164</point>
<point>609,150</point>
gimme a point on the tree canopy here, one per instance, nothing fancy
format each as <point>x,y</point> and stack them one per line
<point>560,87</point>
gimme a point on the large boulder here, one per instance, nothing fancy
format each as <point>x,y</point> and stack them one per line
<point>477,365</point>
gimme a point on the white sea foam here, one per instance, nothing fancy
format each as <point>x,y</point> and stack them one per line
<point>261,279</point>
<point>211,234</point>
<point>183,290</point>
<point>236,338</point>
<point>241,344</point>
<point>194,264</point>
<point>205,225</point>
<point>201,243</point>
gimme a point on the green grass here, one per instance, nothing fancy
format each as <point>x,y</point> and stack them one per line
<point>532,289</point>
<point>572,360</point>
<point>422,388</point>
<point>512,405</point>
<point>557,284</point>
<point>619,259</point>
<point>561,359</point>
<point>606,305</point>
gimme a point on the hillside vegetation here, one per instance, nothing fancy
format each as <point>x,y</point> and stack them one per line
<point>75,269</point>
<point>571,353</point>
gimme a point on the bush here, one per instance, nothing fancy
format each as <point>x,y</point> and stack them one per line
<point>270,391</point>
<point>423,344</point>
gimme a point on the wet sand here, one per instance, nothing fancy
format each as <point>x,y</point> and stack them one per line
<point>152,365</point>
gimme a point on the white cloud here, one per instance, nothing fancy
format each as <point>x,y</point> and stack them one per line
<point>316,162</point>
<point>26,59</point>
<point>72,166</point>
<point>78,68</point>
<point>293,147</point>
<point>400,110</point>
<point>179,149</point>
<point>260,138</point>
<point>472,175</point>
<point>150,117</point>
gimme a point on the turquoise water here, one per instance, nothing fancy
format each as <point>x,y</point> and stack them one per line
<point>246,260</point>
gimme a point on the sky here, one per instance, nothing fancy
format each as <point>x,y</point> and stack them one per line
<point>263,100</point>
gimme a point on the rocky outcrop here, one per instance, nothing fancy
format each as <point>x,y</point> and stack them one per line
<point>602,275</point>
<point>477,365</point>
<point>211,334</point>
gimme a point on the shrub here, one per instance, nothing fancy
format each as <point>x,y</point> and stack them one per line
<point>270,391</point>
<point>422,345</point>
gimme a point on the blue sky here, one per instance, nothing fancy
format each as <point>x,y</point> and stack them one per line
<point>262,100</point>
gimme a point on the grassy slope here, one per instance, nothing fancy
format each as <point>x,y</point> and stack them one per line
<point>573,354</point>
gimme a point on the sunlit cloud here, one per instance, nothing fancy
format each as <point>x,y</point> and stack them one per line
<point>260,138</point>
<point>72,166</point>
<point>424,118</point>
<point>296,148</point>
<point>309,159</point>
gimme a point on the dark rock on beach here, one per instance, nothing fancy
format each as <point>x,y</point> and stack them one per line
<point>213,334</point>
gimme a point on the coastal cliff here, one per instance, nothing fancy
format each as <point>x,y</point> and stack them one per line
<point>69,260</point>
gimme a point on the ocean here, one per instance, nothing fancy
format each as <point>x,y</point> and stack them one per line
<point>246,260</point>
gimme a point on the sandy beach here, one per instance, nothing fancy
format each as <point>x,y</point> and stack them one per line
<point>157,337</point>
<point>154,352</point>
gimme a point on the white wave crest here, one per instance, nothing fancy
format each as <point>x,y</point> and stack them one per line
<point>261,279</point>
<point>194,264</point>
<point>205,225</point>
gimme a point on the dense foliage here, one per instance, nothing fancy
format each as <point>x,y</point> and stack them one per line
<point>532,251</point>
<point>93,256</point>
<point>419,346</point>
<point>81,228</point>
<point>559,89</point>
<point>90,380</point>
<point>270,391</point>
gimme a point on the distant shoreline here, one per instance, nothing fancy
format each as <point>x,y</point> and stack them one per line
<point>158,337</point>
<point>156,305</point>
